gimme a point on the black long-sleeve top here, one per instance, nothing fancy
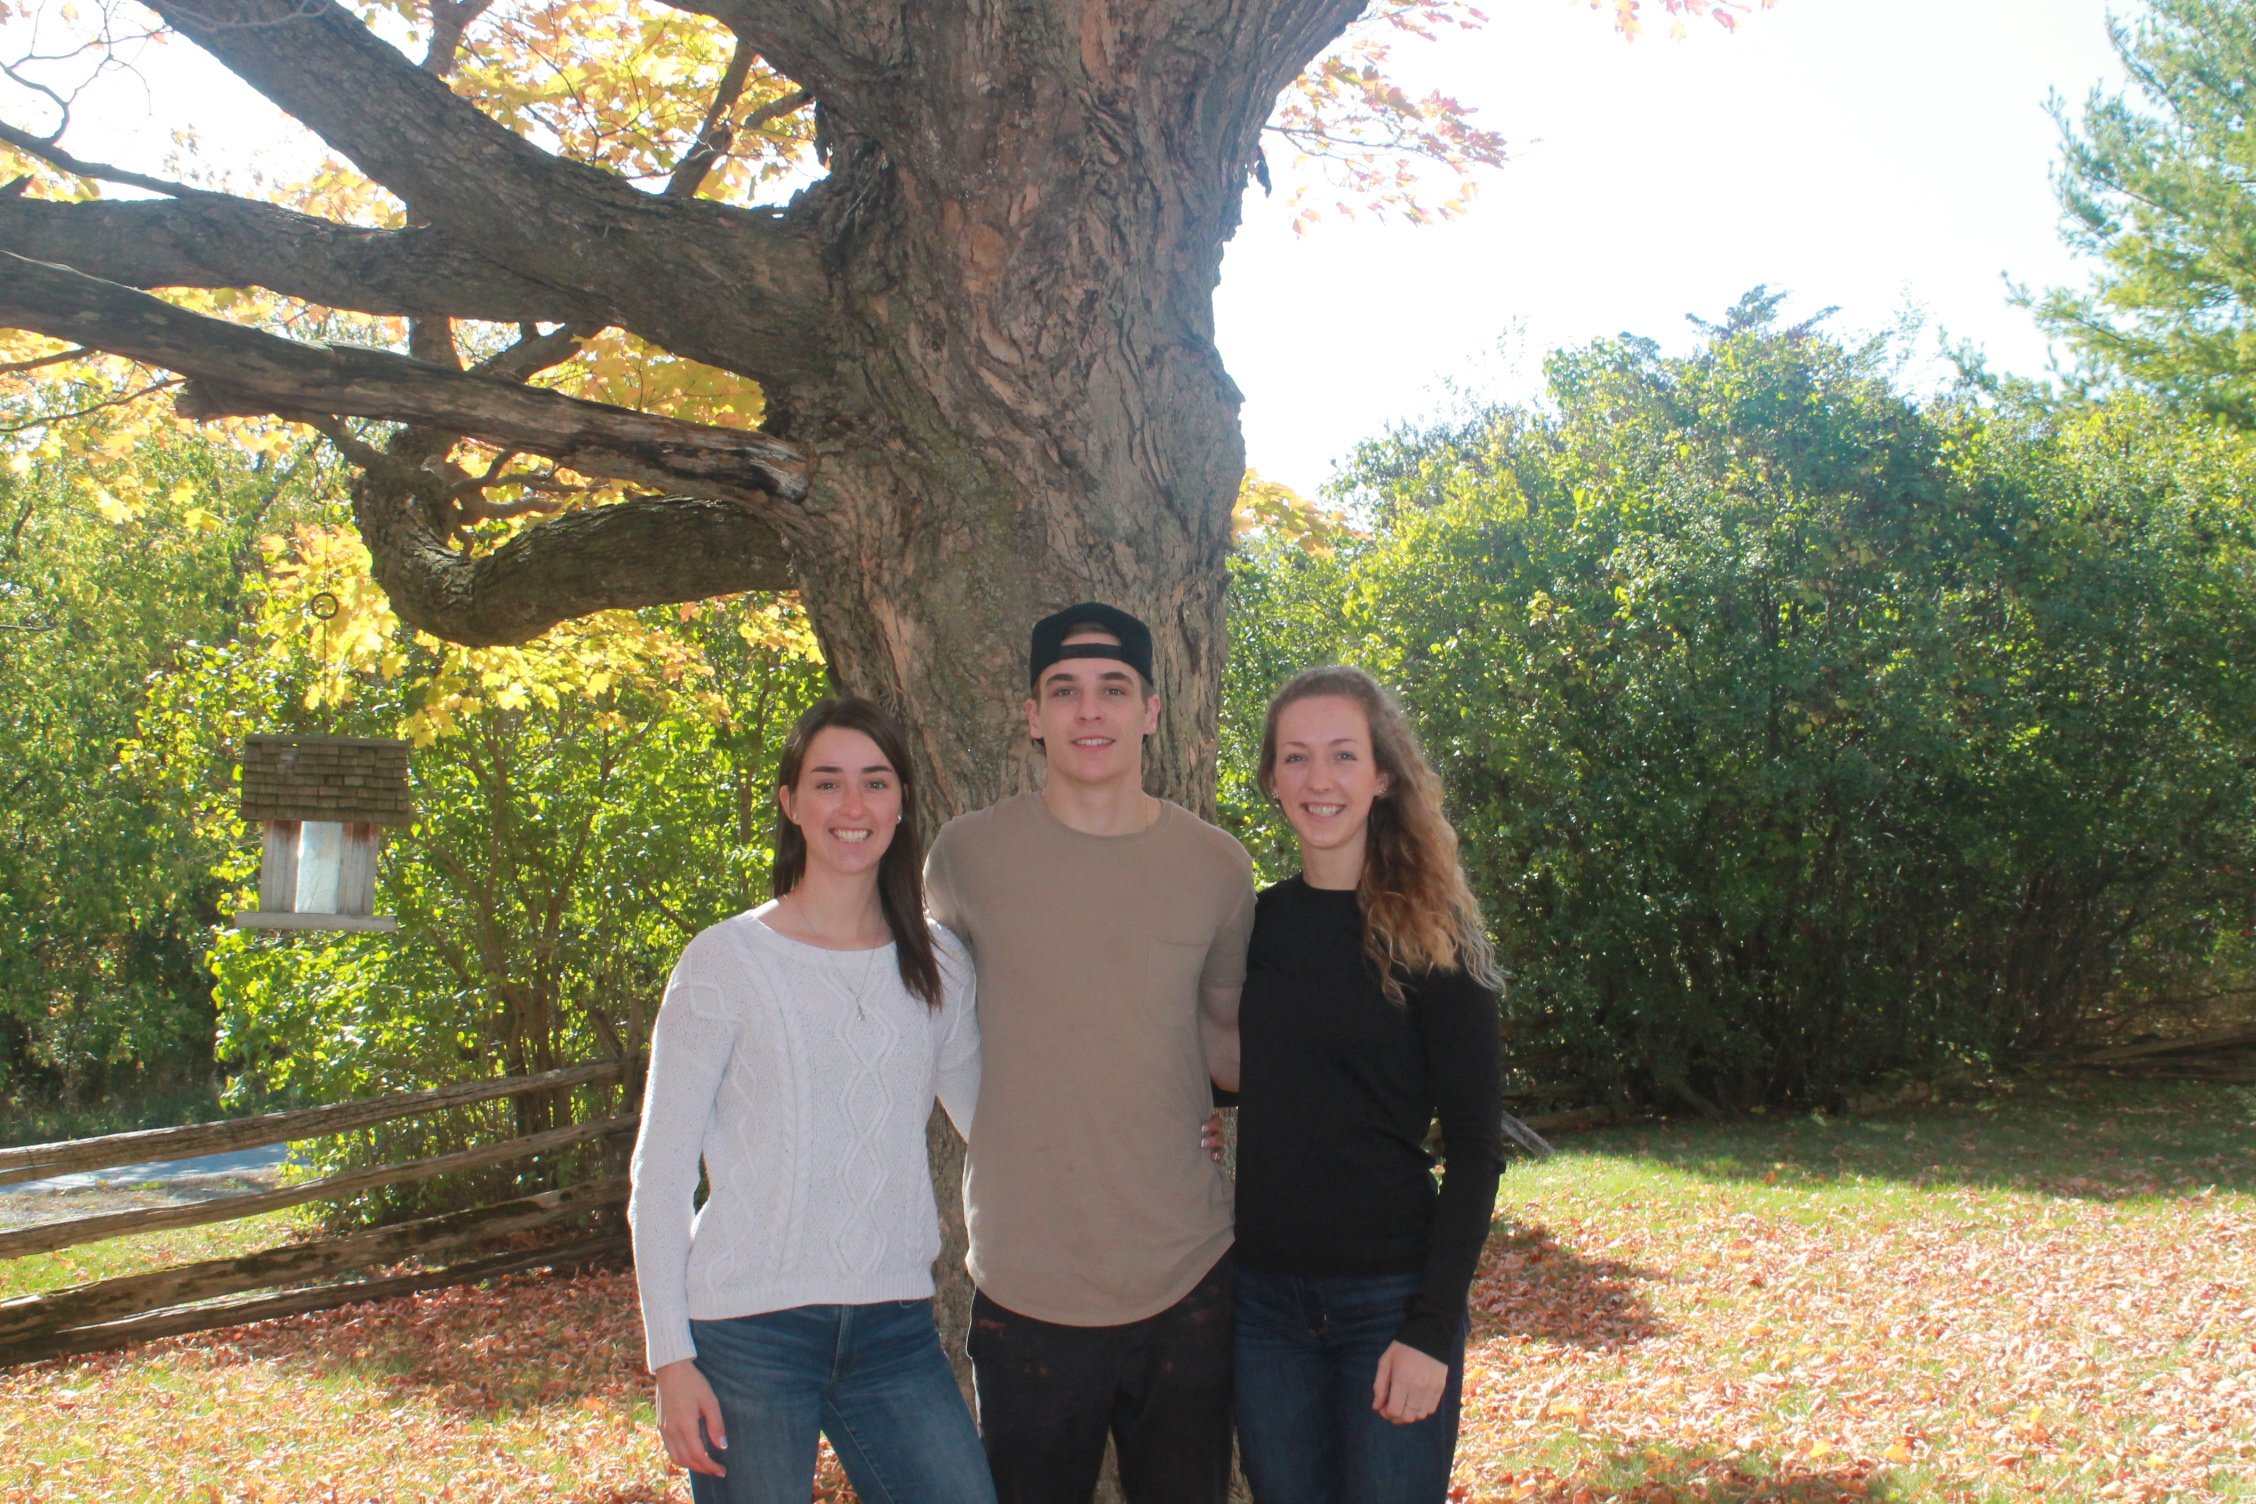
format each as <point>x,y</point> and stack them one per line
<point>1338,1087</point>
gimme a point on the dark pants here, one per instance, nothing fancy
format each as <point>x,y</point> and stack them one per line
<point>1049,1395</point>
<point>1308,1351</point>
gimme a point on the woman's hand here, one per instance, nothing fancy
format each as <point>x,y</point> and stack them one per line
<point>1210,1135</point>
<point>1409,1384</point>
<point>684,1400</point>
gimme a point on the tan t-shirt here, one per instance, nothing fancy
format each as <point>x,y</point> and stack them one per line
<point>1089,1200</point>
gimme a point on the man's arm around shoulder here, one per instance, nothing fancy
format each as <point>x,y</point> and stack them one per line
<point>1224,981</point>
<point>941,898</point>
<point>1218,1032</point>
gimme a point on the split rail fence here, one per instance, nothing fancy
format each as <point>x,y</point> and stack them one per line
<point>312,1275</point>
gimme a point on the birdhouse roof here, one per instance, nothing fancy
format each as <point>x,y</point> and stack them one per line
<point>355,780</point>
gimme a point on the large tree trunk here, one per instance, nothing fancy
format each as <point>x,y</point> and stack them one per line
<point>985,339</point>
<point>1029,433</point>
<point>995,476</point>
<point>1028,408</point>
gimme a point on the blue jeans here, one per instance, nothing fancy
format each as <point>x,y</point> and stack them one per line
<point>870,1377</point>
<point>1308,1349</point>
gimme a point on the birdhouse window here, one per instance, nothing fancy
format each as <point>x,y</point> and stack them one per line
<point>323,802</point>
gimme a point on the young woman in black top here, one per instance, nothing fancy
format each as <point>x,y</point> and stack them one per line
<point>1369,1013</point>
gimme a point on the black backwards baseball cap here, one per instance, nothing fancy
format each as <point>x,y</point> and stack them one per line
<point>1049,644</point>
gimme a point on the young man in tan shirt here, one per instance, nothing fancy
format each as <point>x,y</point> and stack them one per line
<point>1109,928</point>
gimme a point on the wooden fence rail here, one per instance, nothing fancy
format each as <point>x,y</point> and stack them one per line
<point>210,1293</point>
<point>40,1161</point>
<point>46,1237</point>
<point>53,1343</point>
<point>451,1232</point>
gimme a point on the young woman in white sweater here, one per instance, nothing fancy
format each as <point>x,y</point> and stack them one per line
<point>797,1054</point>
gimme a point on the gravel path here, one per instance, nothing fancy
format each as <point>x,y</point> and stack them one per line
<point>88,1193</point>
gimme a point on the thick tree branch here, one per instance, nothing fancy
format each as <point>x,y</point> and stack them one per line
<point>449,20</point>
<point>1275,40</point>
<point>358,93</point>
<point>647,552</point>
<point>536,352</point>
<point>214,240</point>
<point>554,222</point>
<point>243,371</point>
<point>838,56</point>
<point>714,136</point>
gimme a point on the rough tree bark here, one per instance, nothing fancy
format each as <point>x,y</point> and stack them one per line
<point>985,338</point>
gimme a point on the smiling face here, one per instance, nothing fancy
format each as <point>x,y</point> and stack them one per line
<point>1326,778</point>
<point>1091,716</point>
<point>847,802</point>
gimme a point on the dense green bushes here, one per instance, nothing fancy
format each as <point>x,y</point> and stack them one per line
<point>1801,734</point>
<point>583,805</point>
<point>106,892</point>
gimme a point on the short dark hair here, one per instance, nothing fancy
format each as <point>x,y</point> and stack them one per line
<point>900,872</point>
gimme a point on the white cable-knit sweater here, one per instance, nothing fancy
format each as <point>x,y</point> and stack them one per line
<point>803,1077</point>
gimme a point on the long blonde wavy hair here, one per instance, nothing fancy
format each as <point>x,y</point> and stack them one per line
<point>1419,913</point>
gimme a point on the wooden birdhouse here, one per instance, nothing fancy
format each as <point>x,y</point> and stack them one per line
<point>323,801</point>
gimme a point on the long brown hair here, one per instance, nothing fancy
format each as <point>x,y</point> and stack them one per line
<point>1419,913</point>
<point>900,872</point>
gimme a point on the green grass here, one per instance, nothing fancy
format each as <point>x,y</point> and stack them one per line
<point>2058,1140</point>
<point>2043,1294</point>
<point>2009,1297</point>
<point>143,1252</point>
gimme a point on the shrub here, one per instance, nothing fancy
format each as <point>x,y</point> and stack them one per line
<point>1800,733</point>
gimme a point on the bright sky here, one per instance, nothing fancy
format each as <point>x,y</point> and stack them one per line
<point>1881,155</point>
<point>1875,154</point>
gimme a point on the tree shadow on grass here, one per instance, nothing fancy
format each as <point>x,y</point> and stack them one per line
<point>1691,1475</point>
<point>1533,1286</point>
<point>2081,1138</point>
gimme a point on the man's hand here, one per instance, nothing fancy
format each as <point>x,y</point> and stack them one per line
<point>684,1400</point>
<point>1409,1384</point>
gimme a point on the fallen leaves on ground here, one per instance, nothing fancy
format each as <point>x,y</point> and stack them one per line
<point>1646,1331</point>
<point>2106,1354</point>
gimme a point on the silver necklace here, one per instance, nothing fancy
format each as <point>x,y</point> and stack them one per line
<point>859,992</point>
